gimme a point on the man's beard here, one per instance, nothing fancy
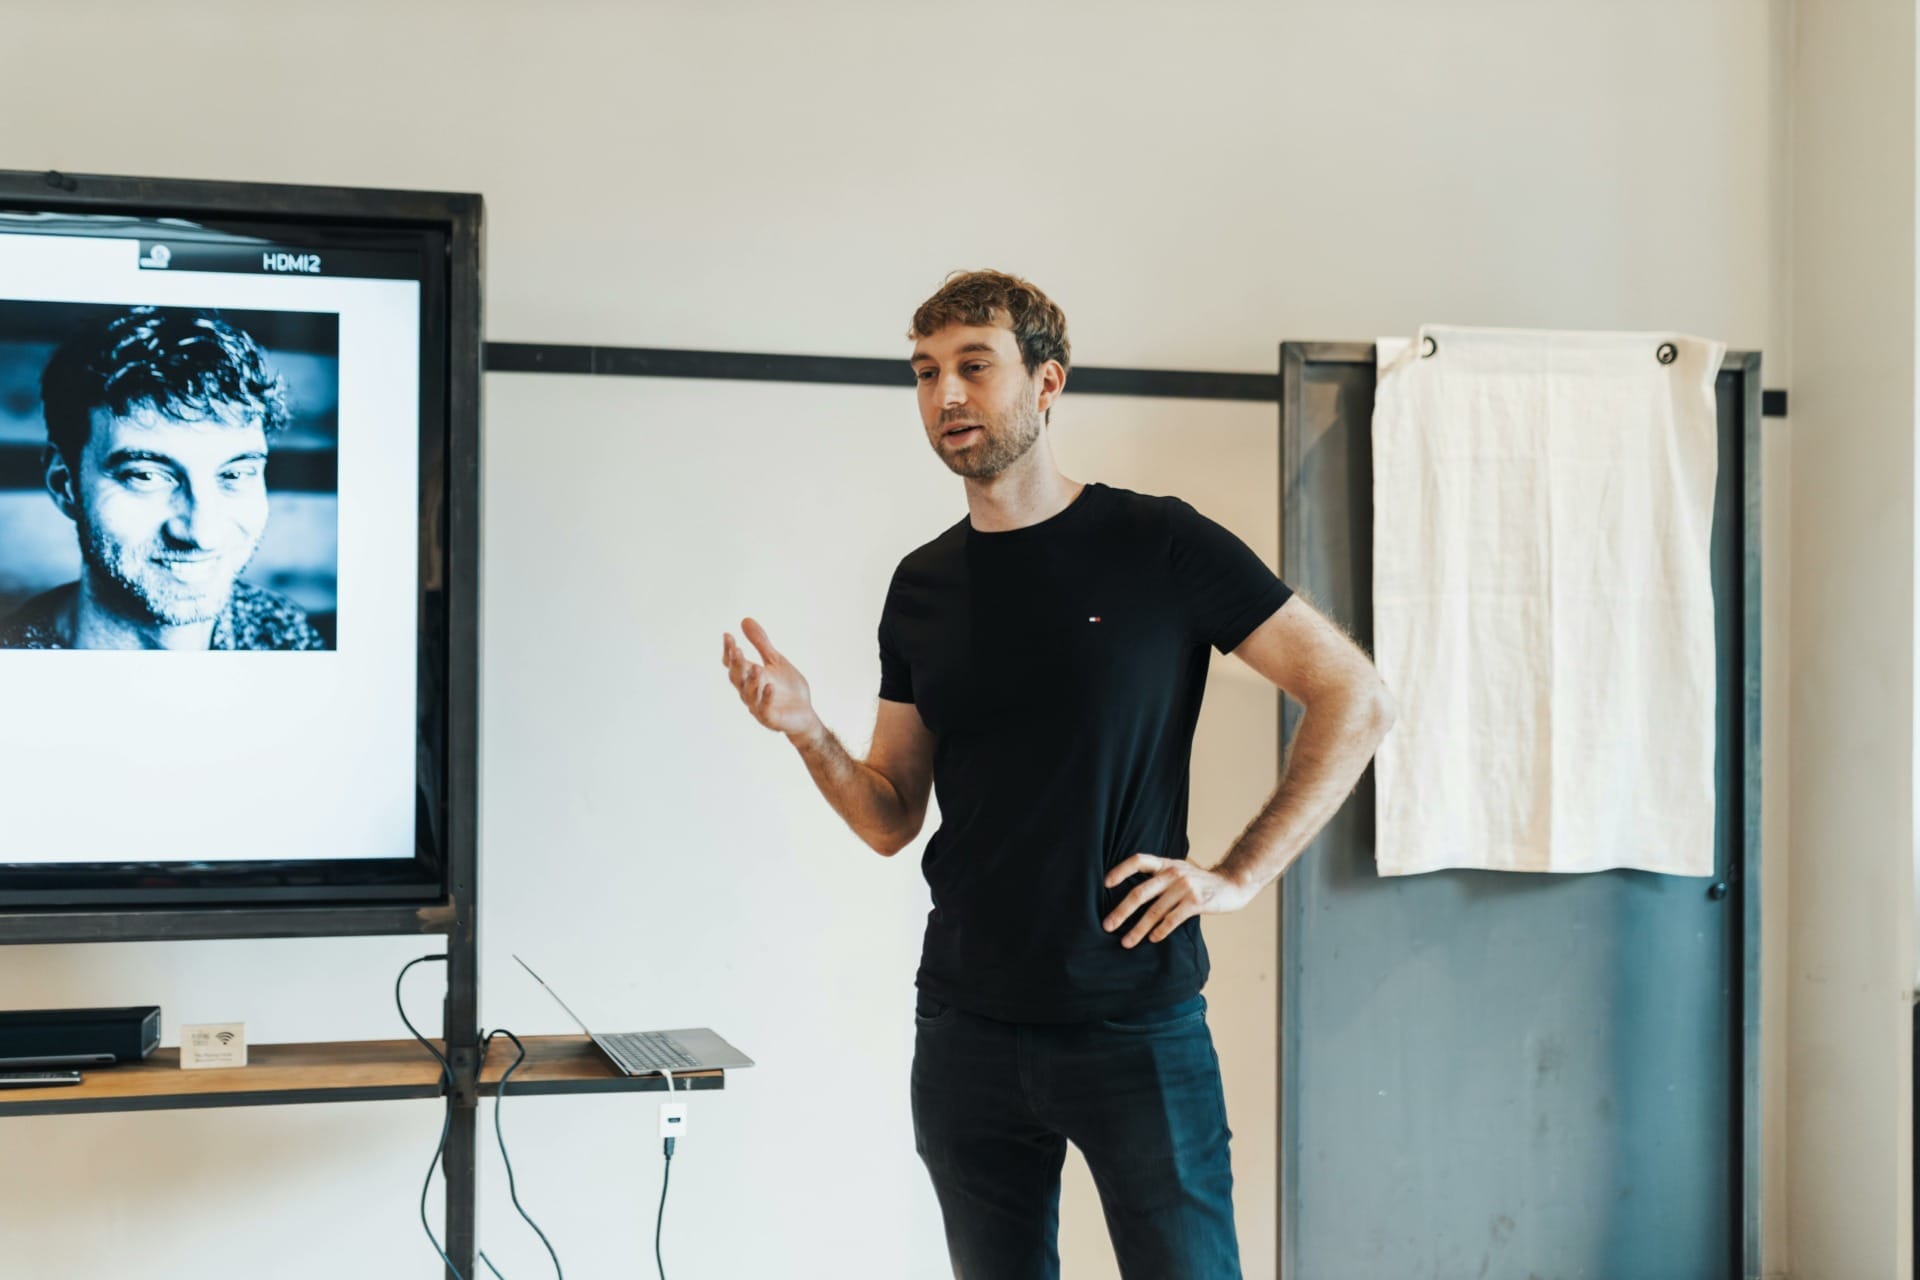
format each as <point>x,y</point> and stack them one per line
<point>146,591</point>
<point>998,448</point>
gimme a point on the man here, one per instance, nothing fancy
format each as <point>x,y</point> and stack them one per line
<point>1042,665</point>
<point>157,427</point>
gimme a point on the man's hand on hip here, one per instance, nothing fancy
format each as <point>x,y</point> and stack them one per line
<point>1174,892</point>
<point>773,688</point>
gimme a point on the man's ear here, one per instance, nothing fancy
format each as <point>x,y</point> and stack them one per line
<point>1053,380</point>
<point>63,486</point>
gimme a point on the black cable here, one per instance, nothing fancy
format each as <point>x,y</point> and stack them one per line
<point>499,1101</point>
<point>446,1125</point>
<point>666,1172</point>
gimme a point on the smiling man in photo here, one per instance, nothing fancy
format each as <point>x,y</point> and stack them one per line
<point>158,421</point>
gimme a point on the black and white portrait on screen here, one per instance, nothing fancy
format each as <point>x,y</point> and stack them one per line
<point>167,478</point>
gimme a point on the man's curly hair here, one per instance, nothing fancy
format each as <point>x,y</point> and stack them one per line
<point>184,363</point>
<point>988,297</point>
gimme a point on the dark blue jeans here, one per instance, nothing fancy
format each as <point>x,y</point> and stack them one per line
<point>995,1104</point>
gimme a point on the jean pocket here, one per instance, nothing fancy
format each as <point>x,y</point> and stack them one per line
<point>1166,1018</point>
<point>929,1012</point>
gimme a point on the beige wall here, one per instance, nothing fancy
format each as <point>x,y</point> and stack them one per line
<point>1193,185</point>
<point>1851,949</point>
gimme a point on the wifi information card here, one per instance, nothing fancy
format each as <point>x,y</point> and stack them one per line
<point>214,1044</point>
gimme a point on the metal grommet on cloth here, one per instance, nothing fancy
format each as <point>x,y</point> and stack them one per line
<point>1428,347</point>
<point>1667,353</point>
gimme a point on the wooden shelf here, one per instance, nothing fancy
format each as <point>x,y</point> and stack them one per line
<point>343,1071</point>
<point>571,1064</point>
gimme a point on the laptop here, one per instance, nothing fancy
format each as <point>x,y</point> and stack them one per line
<point>647,1053</point>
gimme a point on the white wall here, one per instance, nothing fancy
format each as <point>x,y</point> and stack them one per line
<point>1192,186</point>
<point>663,805</point>
<point>1849,1074</point>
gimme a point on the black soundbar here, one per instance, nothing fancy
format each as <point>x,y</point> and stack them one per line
<point>77,1037</point>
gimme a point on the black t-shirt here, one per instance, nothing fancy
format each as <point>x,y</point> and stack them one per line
<point>1060,668</point>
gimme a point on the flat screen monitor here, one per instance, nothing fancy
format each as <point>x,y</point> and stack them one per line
<point>226,456</point>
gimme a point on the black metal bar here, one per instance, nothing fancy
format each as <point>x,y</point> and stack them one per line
<point>670,362</point>
<point>538,357</point>
<point>1176,384</point>
<point>667,362</point>
<point>652,362</point>
<point>1750,1162</point>
<point>248,199</point>
<point>253,921</point>
<point>462,578</point>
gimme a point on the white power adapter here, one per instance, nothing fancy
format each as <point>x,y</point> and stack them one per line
<point>673,1116</point>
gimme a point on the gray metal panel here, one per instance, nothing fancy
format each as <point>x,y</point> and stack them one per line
<point>1488,1074</point>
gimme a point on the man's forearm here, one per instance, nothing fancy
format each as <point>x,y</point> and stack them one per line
<point>1330,751</point>
<point>861,795</point>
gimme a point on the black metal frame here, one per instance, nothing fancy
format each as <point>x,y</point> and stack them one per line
<point>459,218</point>
<point>1747,1160</point>
<point>95,903</point>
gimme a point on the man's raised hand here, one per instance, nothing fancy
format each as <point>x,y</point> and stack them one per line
<point>773,688</point>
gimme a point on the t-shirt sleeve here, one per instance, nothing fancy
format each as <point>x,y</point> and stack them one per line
<point>896,677</point>
<point>1228,589</point>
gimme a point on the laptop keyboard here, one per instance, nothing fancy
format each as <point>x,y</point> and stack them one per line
<point>642,1053</point>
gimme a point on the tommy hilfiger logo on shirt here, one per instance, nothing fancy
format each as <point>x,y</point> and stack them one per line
<point>1094,619</point>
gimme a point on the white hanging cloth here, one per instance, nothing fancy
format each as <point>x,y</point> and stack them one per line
<point>1542,600</point>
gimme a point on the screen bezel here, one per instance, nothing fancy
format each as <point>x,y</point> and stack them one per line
<point>444,229</point>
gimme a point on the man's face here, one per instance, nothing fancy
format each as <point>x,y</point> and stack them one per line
<point>978,403</point>
<point>171,511</point>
